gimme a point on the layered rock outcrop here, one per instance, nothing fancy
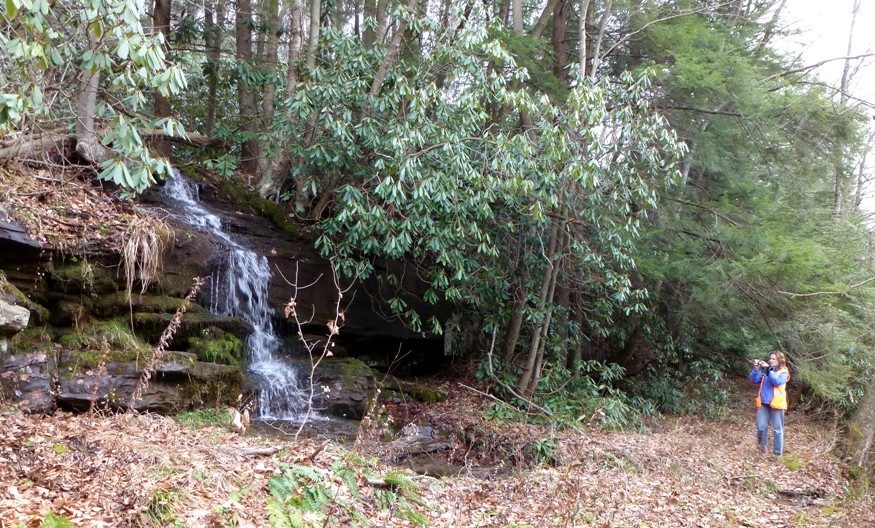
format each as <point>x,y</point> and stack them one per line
<point>75,354</point>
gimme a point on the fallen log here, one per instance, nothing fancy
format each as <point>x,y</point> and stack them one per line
<point>32,146</point>
<point>37,145</point>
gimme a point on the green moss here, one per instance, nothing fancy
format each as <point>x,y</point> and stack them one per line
<point>426,394</point>
<point>793,462</point>
<point>200,418</point>
<point>34,338</point>
<point>116,332</point>
<point>87,349</point>
<point>83,277</point>
<point>412,391</point>
<point>239,194</point>
<point>117,303</point>
<point>79,361</point>
<point>354,368</point>
<point>213,386</point>
<point>152,324</point>
<point>217,346</point>
<point>6,288</point>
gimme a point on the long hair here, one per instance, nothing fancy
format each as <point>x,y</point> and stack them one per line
<point>782,359</point>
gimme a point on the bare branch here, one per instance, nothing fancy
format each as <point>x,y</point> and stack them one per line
<point>842,292</point>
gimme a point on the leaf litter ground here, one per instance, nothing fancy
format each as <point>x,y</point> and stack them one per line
<point>147,470</point>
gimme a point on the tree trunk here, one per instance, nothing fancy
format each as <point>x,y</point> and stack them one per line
<point>563,297</point>
<point>369,32</point>
<point>529,369</point>
<point>548,11</point>
<point>270,181</point>
<point>356,16</point>
<point>597,48</point>
<point>843,98</point>
<point>770,27</point>
<point>261,30</point>
<point>161,24</point>
<point>313,40</point>
<point>862,172</point>
<point>516,324</point>
<point>581,350</point>
<point>861,431</point>
<point>411,42</point>
<point>245,92</point>
<point>213,32</point>
<point>545,324</point>
<point>392,53</point>
<point>441,75</point>
<point>526,123</point>
<point>517,15</point>
<point>560,50</point>
<point>382,19</point>
<point>584,9</point>
<point>87,143</point>
<point>273,21</point>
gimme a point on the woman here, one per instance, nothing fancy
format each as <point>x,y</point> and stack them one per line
<point>771,399</point>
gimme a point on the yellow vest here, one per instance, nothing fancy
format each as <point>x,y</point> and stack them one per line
<point>779,398</point>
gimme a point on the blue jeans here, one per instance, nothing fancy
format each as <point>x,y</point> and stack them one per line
<point>766,414</point>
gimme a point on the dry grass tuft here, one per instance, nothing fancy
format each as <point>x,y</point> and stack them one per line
<point>146,239</point>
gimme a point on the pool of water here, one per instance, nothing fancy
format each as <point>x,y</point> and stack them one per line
<point>321,427</point>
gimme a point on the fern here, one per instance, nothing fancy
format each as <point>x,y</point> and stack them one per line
<point>280,517</point>
<point>349,477</point>
<point>400,481</point>
<point>314,497</point>
<point>385,498</point>
<point>415,517</point>
<point>56,521</point>
<point>282,487</point>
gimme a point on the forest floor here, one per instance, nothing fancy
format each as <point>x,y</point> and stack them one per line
<point>145,470</point>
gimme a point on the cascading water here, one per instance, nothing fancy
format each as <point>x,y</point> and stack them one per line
<point>241,291</point>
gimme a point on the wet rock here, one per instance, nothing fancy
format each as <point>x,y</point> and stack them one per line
<point>178,384</point>
<point>342,387</point>
<point>151,325</point>
<point>13,319</point>
<point>27,380</point>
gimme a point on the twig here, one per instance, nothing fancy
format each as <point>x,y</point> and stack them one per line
<point>817,65</point>
<point>742,477</point>
<point>261,451</point>
<point>812,294</point>
<point>490,396</point>
<point>312,456</point>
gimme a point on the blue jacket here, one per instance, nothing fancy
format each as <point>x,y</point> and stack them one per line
<point>774,379</point>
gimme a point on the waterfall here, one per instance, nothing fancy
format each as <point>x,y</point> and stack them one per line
<point>241,290</point>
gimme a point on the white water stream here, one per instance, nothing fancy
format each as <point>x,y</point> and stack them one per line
<point>241,290</point>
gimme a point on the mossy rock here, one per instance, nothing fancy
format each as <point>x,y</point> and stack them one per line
<point>217,346</point>
<point>349,383</point>
<point>168,392</point>
<point>152,325</point>
<point>102,342</point>
<point>80,361</point>
<point>15,296</point>
<point>117,303</point>
<point>81,276</point>
<point>393,388</point>
<point>239,194</point>
<point>35,339</point>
